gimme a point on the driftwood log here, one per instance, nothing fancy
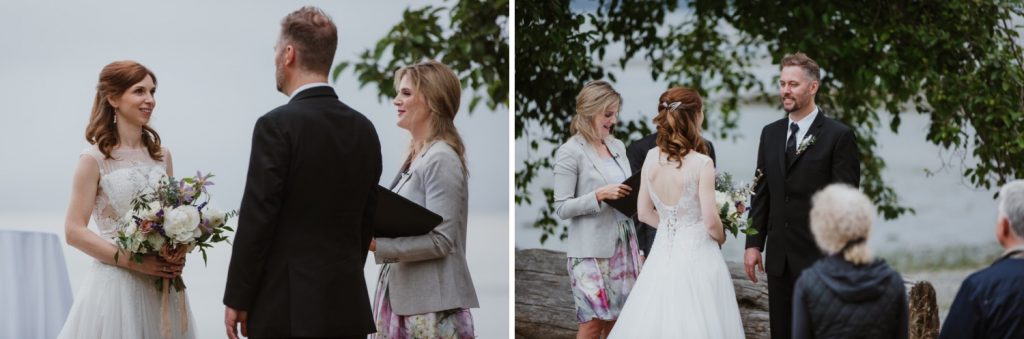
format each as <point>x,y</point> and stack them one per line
<point>544,305</point>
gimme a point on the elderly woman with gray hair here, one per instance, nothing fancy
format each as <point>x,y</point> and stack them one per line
<point>848,293</point>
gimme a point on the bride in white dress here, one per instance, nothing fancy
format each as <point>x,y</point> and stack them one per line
<point>684,289</point>
<point>119,299</point>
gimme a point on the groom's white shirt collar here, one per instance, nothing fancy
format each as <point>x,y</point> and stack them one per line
<point>805,124</point>
<point>307,86</point>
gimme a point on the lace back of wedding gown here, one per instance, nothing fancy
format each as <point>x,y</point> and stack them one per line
<point>684,289</point>
<point>112,302</point>
<point>680,211</point>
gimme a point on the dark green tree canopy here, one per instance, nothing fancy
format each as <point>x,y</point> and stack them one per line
<point>475,47</point>
<point>958,62</point>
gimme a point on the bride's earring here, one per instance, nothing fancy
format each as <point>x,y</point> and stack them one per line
<point>115,116</point>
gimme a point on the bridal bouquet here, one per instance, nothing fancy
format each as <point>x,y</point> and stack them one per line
<point>171,220</point>
<point>731,200</point>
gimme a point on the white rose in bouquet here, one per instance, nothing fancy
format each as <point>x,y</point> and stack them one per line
<point>215,217</point>
<point>150,213</point>
<point>181,223</point>
<point>156,240</point>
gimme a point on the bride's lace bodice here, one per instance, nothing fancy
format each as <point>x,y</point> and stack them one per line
<point>674,192</point>
<point>130,172</point>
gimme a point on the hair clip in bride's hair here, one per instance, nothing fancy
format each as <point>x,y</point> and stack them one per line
<point>671,106</point>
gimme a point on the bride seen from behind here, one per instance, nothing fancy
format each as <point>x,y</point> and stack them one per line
<point>117,298</point>
<point>684,289</point>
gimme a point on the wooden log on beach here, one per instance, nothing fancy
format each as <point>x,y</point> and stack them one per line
<point>544,306</point>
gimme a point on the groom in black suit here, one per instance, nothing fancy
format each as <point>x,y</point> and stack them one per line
<point>305,225</point>
<point>798,156</point>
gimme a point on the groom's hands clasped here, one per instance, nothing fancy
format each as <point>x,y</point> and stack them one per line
<point>751,259</point>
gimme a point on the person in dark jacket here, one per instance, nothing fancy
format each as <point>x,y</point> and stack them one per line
<point>847,294</point>
<point>990,303</point>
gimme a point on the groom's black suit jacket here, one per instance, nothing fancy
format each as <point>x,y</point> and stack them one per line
<point>305,223</point>
<point>781,204</point>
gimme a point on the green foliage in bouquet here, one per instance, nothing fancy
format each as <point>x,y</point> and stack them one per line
<point>730,198</point>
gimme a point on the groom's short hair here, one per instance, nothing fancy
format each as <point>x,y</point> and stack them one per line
<point>1011,205</point>
<point>804,62</point>
<point>313,34</point>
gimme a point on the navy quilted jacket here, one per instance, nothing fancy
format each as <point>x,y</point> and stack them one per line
<point>836,299</point>
<point>990,303</point>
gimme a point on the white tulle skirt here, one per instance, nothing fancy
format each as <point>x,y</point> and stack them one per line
<point>118,303</point>
<point>684,291</point>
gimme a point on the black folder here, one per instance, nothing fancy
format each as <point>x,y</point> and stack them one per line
<point>627,204</point>
<point>397,216</point>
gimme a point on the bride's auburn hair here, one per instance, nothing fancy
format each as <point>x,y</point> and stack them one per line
<point>678,126</point>
<point>115,79</point>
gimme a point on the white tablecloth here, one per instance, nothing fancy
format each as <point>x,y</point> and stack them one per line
<point>35,293</point>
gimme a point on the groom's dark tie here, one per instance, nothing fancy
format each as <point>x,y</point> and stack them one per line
<point>791,143</point>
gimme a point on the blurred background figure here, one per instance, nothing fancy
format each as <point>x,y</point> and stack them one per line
<point>990,303</point>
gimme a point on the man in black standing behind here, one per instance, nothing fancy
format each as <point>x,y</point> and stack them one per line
<point>636,152</point>
<point>798,155</point>
<point>305,224</point>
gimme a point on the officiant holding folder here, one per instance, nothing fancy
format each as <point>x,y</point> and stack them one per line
<point>603,256</point>
<point>424,287</point>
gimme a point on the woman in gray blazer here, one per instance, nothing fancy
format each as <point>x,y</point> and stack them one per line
<point>603,256</point>
<point>424,289</point>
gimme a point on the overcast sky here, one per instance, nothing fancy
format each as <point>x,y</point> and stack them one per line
<point>214,63</point>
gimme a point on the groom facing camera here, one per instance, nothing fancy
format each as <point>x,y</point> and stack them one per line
<point>305,225</point>
<point>798,155</point>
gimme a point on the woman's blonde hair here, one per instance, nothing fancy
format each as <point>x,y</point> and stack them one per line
<point>595,98</point>
<point>678,127</point>
<point>841,219</point>
<point>441,91</point>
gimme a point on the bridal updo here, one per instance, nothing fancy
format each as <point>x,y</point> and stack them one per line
<point>680,113</point>
<point>115,79</point>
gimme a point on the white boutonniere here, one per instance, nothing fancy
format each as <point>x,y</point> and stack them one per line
<point>807,143</point>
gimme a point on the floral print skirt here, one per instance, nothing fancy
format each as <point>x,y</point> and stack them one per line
<point>454,324</point>
<point>600,285</point>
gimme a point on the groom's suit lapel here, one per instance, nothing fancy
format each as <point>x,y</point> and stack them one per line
<point>780,134</point>
<point>815,130</point>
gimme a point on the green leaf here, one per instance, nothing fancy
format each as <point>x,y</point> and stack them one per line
<point>338,69</point>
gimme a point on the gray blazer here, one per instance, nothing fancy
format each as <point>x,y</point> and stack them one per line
<point>579,172</point>
<point>429,272</point>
